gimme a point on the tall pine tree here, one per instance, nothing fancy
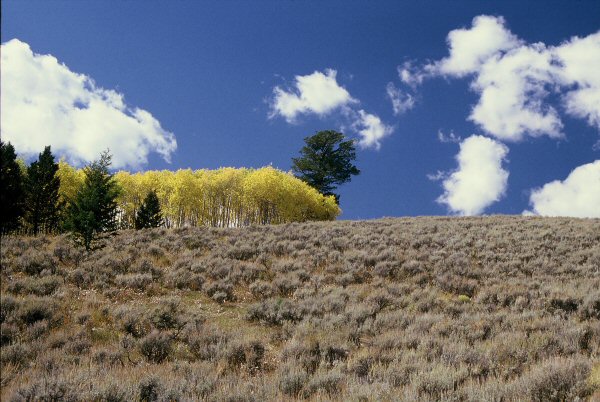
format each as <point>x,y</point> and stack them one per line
<point>12,195</point>
<point>326,161</point>
<point>93,210</point>
<point>42,205</point>
<point>149,215</point>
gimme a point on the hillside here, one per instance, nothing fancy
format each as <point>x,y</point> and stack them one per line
<point>414,309</point>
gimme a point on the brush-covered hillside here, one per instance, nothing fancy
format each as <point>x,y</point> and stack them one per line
<point>466,309</point>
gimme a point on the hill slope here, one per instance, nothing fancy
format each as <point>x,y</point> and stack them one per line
<point>412,309</point>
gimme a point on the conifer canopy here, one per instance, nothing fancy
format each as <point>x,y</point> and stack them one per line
<point>149,215</point>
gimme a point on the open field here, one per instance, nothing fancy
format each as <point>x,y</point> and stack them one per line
<point>473,309</point>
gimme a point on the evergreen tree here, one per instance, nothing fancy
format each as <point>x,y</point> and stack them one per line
<point>149,215</point>
<point>12,195</point>
<point>326,162</point>
<point>42,206</point>
<point>94,208</point>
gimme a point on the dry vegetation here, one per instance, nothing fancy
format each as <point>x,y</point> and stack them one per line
<point>469,309</point>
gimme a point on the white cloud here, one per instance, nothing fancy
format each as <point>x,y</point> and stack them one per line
<point>371,129</point>
<point>401,101</point>
<point>512,90</point>
<point>517,83</point>
<point>578,195</point>
<point>470,48</point>
<point>320,94</point>
<point>514,79</point>
<point>44,103</point>
<point>316,93</point>
<point>479,180</point>
<point>580,60</point>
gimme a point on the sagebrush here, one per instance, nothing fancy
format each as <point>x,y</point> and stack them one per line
<point>470,309</point>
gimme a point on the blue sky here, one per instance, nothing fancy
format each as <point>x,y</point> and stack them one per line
<point>206,77</point>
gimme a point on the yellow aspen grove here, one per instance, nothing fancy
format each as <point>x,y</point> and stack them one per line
<point>226,197</point>
<point>70,180</point>
<point>130,200</point>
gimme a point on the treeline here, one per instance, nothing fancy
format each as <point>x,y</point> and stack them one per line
<point>29,195</point>
<point>225,197</point>
<point>38,198</point>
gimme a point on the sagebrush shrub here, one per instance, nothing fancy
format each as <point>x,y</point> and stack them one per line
<point>207,343</point>
<point>43,286</point>
<point>150,389</point>
<point>558,379</point>
<point>590,307</point>
<point>222,290</point>
<point>134,281</point>
<point>135,325</point>
<point>292,380</point>
<point>8,333</point>
<point>34,262</point>
<point>328,383</point>
<point>167,315</point>
<point>32,311</point>
<point>156,347</point>
<point>17,354</point>
<point>8,305</point>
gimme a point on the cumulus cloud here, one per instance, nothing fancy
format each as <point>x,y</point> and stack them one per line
<point>401,100</point>
<point>518,84</point>
<point>579,59</point>
<point>45,103</point>
<point>316,93</point>
<point>479,180</point>
<point>472,47</point>
<point>371,130</point>
<point>578,195</point>
<point>320,94</point>
<point>512,91</point>
<point>514,79</point>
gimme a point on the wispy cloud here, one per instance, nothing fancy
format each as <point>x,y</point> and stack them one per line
<point>45,103</point>
<point>402,101</point>
<point>448,138</point>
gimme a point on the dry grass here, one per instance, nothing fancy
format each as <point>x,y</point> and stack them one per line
<point>467,309</point>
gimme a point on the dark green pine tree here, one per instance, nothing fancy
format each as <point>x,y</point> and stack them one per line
<point>94,209</point>
<point>12,194</point>
<point>42,204</point>
<point>149,215</point>
<point>326,161</point>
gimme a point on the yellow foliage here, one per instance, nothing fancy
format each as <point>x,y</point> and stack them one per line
<point>70,180</point>
<point>225,197</point>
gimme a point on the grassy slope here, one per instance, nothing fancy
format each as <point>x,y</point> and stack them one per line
<point>412,309</point>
